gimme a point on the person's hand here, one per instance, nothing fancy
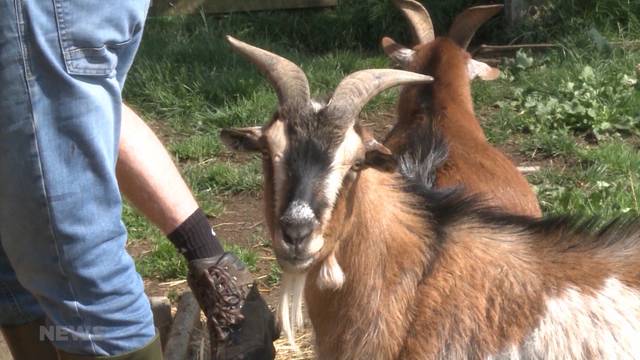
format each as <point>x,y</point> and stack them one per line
<point>241,326</point>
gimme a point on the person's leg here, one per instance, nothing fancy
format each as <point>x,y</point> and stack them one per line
<point>62,65</point>
<point>17,305</point>
<point>21,317</point>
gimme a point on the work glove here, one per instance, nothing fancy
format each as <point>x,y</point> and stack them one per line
<point>240,324</point>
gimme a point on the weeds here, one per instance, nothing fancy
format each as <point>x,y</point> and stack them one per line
<point>273,278</point>
<point>592,102</point>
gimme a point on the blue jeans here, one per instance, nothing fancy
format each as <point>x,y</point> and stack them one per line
<point>62,68</point>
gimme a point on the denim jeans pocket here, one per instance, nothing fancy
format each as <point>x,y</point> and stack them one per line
<point>91,31</point>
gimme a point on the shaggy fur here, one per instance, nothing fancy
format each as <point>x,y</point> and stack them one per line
<point>438,275</point>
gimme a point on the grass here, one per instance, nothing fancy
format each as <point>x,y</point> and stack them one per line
<point>163,263</point>
<point>580,110</point>
<point>576,110</point>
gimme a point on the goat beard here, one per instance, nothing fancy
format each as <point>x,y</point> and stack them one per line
<point>330,277</point>
<point>290,306</point>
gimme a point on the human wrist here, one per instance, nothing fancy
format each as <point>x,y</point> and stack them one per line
<point>195,239</point>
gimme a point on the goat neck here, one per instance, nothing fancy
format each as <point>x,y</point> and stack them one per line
<point>381,249</point>
<point>449,96</point>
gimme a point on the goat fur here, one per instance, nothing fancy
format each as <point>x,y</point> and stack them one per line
<point>439,275</point>
<point>472,162</point>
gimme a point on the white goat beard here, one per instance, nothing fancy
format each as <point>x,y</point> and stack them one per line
<point>331,276</point>
<point>290,307</point>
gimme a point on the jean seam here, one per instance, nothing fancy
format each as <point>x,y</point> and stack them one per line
<point>25,61</point>
<point>111,46</point>
<point>58,10</point>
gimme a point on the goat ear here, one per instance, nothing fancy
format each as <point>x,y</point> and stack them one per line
<point>399,54</point>
<point>379,156</point>
<point>242,139</point>
<point>481,70</point>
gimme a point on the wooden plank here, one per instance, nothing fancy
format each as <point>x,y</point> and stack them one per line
<point>187,316</point>
<point>174,7</point>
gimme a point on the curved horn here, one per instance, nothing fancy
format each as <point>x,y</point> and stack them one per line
<point>418,16</point>
<point>355,91</point>
<point>467,22</point>
<point>287,78</point>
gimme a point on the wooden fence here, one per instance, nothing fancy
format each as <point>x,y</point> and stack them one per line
<point>173,7</point>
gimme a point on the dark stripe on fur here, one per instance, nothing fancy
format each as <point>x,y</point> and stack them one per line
<point>427,151</point>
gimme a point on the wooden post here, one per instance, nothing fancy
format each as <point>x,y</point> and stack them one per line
<point>514,10</point>
<point>187,316</point>
<point>162,319</point>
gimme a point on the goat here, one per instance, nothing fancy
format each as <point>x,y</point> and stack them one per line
<point>446,104</point>
<point>319,157</point>
<point>426,275</point>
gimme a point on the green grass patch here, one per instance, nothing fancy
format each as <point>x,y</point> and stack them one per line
<point>604,182</point>
<point>217,178</point>
<point>163,262</point>
<point>197,148</point>
<point>248,256</point>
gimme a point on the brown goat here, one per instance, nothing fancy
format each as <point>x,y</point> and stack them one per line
<point>426,275</point>
<point>446,104</point>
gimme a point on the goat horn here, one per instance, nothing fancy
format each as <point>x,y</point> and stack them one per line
<point>355,91</point>
<point>289,81</point>
<point>419,18</point>
<point>466,23</point>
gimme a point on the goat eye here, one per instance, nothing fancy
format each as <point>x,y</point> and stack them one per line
<point>357,165</point>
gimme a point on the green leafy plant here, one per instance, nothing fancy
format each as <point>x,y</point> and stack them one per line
<point>591,103</point>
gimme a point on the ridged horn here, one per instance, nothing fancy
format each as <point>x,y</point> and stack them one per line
<point>467,22</point>
<point>289,81</point>
<point>419,18</point>
<point>355,91</point>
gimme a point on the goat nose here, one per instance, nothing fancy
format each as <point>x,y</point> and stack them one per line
<point>297,222</point>
<point>295,233</point>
